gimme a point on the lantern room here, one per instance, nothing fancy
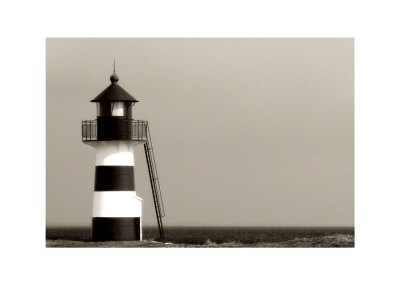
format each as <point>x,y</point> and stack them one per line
<point>114,116</point>
<point>114,101</point>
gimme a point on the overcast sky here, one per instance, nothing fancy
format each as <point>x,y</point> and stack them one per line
<point>245,131</point>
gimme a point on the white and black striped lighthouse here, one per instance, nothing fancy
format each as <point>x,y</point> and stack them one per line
<point>117,209</point>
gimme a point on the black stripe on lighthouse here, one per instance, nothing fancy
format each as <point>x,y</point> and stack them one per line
<point>109,181</point>
<point>116,229</point>
<point>114,178</point>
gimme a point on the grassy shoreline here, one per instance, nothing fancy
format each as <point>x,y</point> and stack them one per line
<point>328,241</point>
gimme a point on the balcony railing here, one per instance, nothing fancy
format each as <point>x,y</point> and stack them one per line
<point>114,129</point>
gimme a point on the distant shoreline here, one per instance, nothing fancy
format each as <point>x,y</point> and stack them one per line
<point>212,236</point>
<point>338,241</point>
<point>211,226</point>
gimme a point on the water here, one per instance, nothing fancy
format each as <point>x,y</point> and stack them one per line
<point>200,235</point>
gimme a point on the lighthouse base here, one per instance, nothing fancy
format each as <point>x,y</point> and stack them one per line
<point>116,229</point>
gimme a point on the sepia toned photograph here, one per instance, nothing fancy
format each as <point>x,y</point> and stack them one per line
<point>200,142</point>
<point>202,150</point>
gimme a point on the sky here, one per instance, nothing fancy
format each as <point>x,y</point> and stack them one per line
<point>246,132</point>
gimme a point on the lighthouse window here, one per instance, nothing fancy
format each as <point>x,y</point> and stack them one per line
<point>129,110</point>
<point>118,109</point>
<point>115,109</point>
<point>103,109</point>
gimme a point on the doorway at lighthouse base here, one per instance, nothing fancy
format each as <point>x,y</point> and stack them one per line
<point>116,229</point>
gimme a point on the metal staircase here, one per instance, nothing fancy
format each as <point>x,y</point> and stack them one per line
<point>155,184</point>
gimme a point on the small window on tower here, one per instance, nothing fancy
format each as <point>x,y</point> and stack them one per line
<point>103,109</point>
<point>129,106</point>
<point>118,109</point>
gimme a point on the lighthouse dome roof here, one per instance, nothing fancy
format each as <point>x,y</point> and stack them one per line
<point>114,92</point>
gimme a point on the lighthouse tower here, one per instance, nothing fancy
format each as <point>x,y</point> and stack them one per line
<point>117,209</point>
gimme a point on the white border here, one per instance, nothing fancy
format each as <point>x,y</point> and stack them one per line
<point>367,272</point>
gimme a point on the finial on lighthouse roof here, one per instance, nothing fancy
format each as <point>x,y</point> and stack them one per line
<point>114,92</point>
<point>114,77</point>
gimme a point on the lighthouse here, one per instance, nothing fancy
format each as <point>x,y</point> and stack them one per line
<point>116,136</point>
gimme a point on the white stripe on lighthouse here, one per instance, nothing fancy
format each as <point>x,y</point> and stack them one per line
<point>117,204</point>
<point>114,153</point>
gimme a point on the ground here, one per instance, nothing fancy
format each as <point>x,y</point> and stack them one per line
<point>329,241</point>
